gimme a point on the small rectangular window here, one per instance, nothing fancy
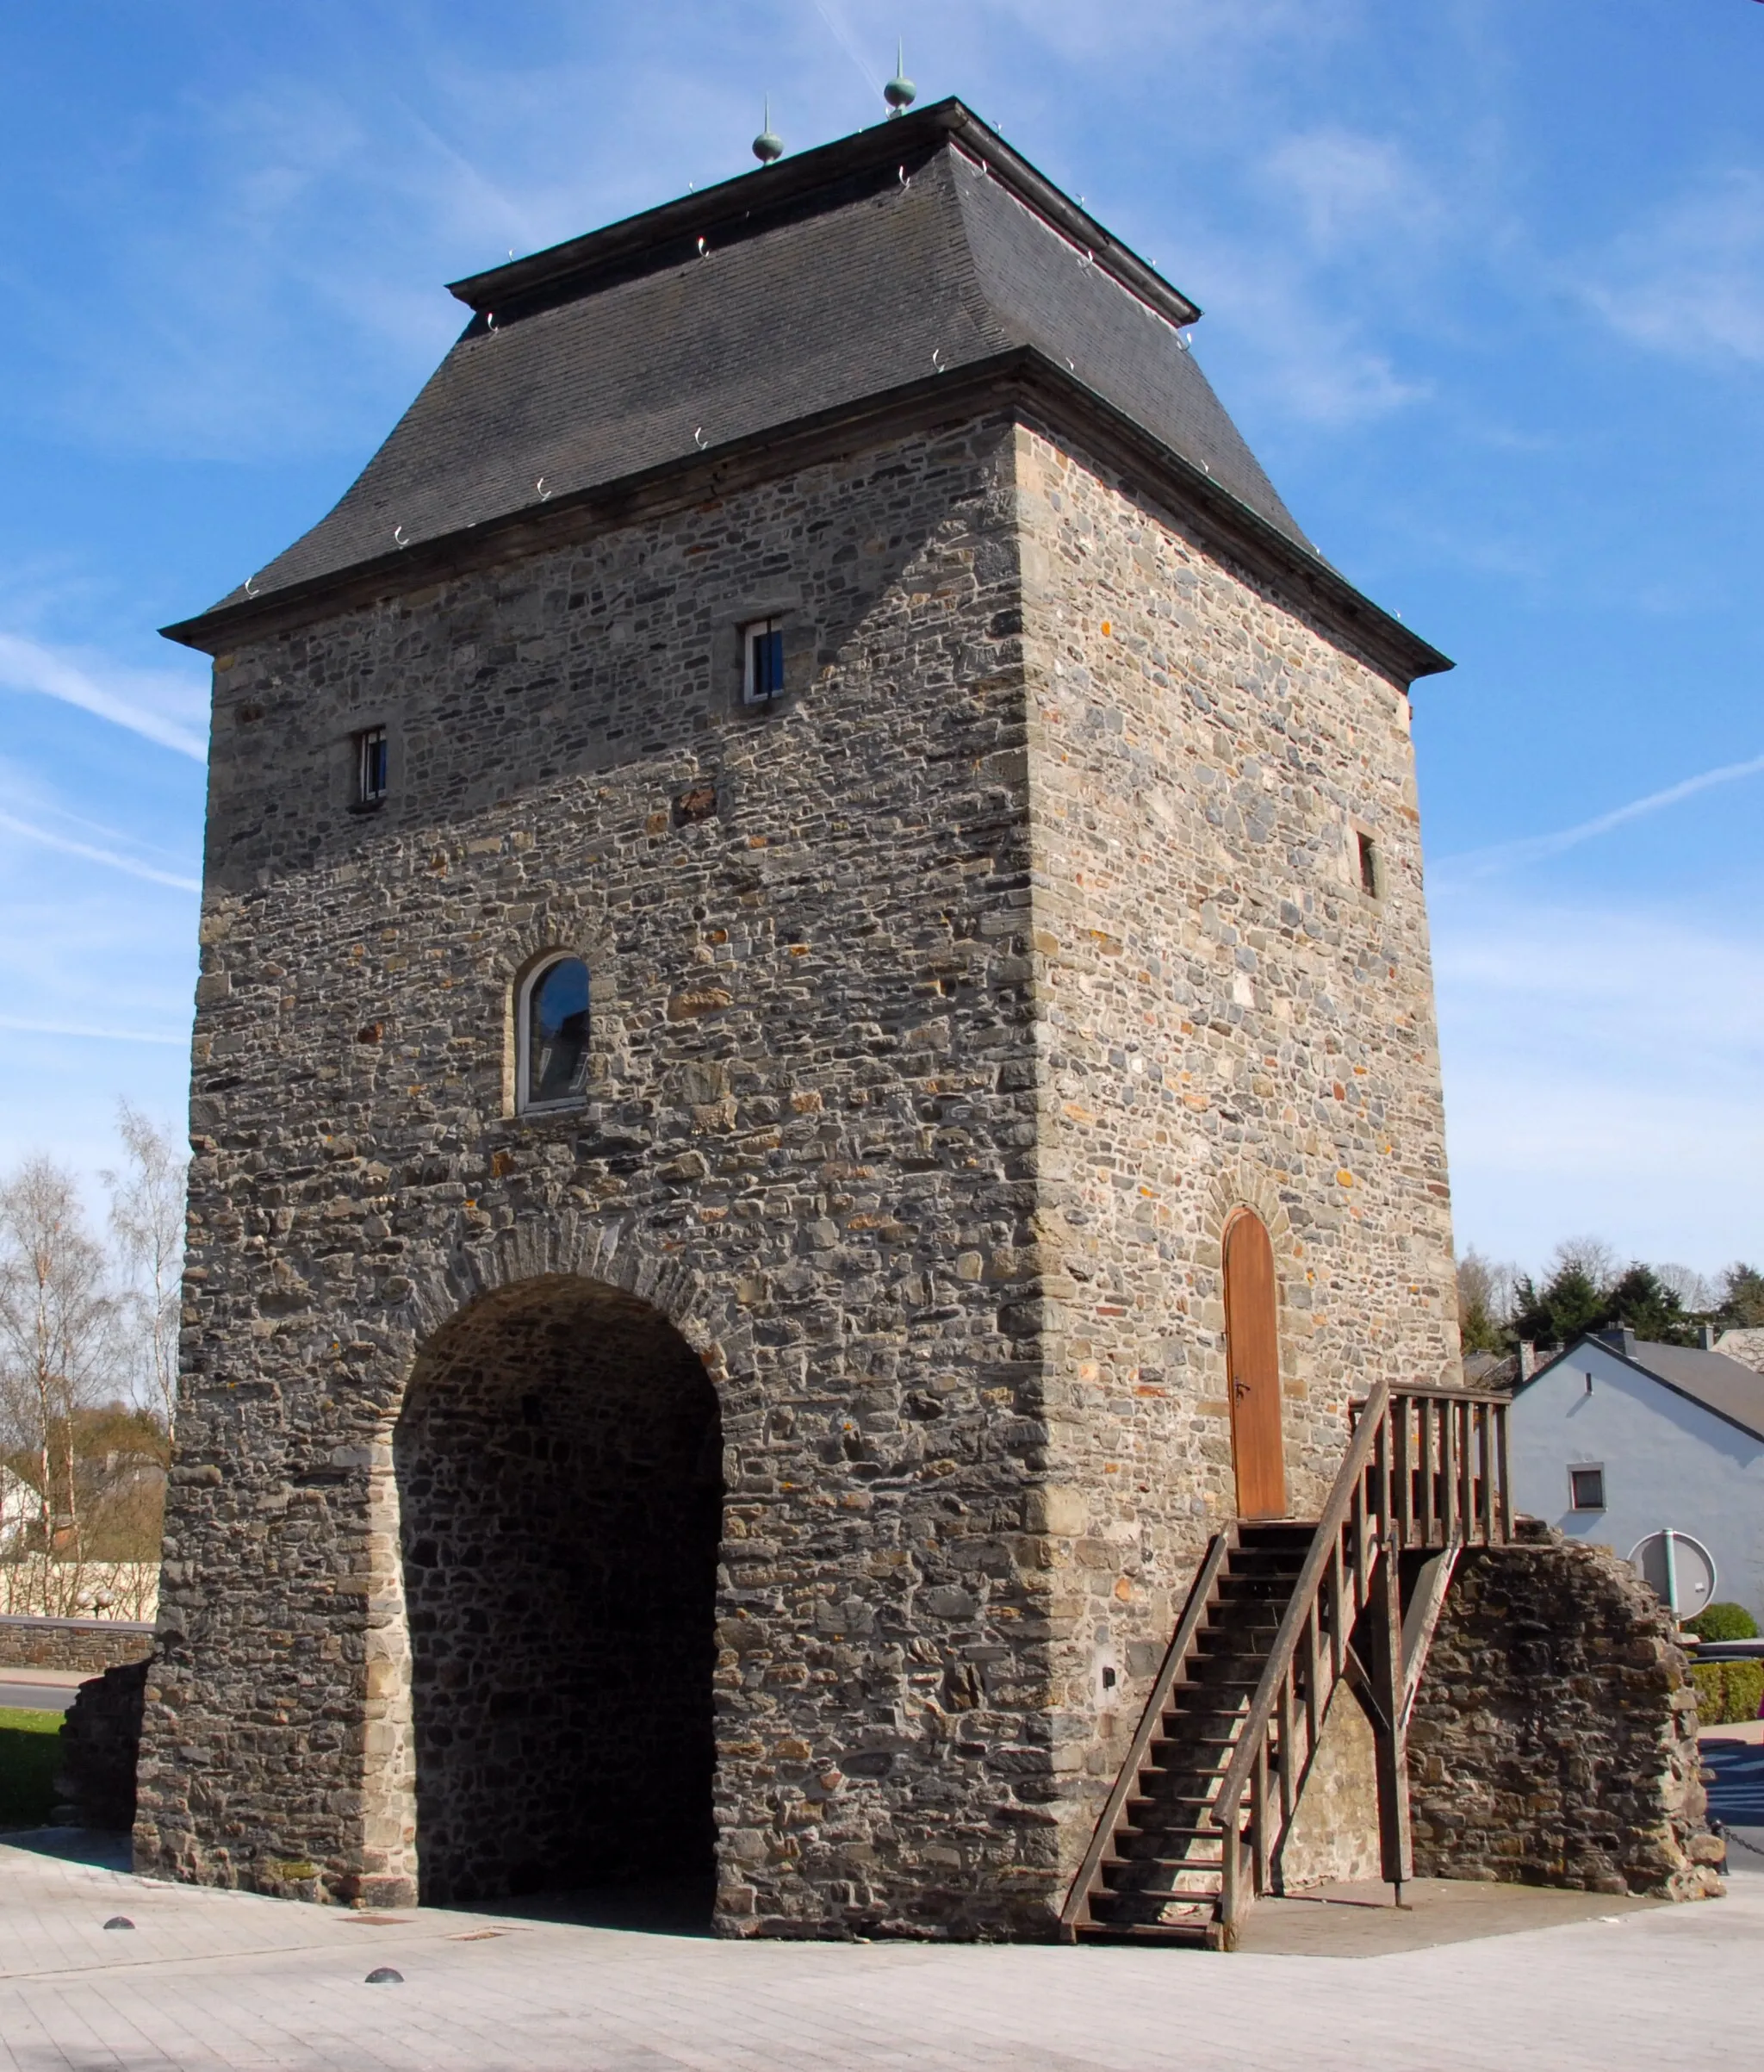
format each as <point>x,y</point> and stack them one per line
<point>370,766</point>
<point>1587,1489</point>
<point>1369,866</point>
<point>762,661</point>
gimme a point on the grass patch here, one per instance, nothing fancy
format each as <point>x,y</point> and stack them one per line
<point>30,1754</point>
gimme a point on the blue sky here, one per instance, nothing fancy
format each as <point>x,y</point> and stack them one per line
<point>1485,288</point>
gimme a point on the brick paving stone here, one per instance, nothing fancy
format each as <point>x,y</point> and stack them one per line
<point>223,1982</point>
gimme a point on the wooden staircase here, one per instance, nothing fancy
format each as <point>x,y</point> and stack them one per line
<point>1280,1614</point>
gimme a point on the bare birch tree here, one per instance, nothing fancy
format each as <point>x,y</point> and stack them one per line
<point>57,1337</point>
<point>146,1220</point>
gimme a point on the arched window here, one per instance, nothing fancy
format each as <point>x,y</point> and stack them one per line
<point>553,1036</point>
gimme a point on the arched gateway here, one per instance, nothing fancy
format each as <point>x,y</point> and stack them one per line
<point>557,1467</point>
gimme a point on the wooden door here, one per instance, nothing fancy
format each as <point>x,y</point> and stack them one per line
<point>1253,1365</point>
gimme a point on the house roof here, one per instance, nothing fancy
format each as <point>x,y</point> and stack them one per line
<point>1720,1385</point>
<point>873,266</point>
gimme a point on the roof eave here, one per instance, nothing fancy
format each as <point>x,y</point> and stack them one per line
<point>1387,642</point>
<point>1622,1360</point>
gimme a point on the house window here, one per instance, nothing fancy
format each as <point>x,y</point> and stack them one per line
<point>370,766</point>
<point>762,661</point>
<point>1585,1489</point>
<point>1369,866</point>
<point>553,1036</point>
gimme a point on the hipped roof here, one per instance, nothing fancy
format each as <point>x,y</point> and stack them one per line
<point>921,250</point>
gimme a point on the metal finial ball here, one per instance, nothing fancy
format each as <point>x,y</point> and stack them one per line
<point>900,93</point>
<point>767,145</point>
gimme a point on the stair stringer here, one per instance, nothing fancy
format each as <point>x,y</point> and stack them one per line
<point>1203,1594</point>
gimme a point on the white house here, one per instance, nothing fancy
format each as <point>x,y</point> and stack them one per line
<point>18,1510</point>
<point>1656,1452</point>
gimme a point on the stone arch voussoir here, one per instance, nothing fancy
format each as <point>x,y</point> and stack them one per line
<point>563,1247</point>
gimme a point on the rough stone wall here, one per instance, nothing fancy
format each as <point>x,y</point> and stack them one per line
<point>1223,1016</point>
<point>1553,1739</point>
<point>559,1466</point>
<point>939,1016</point>
<point>93,1644</point>
<point>809,1143</point>
<point>1334,1830</point>
<point>100,1744</point>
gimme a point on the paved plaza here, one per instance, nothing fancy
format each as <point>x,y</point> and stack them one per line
<point>228,1979</point>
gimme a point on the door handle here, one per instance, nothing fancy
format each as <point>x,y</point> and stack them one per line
<point>1239,1388</point>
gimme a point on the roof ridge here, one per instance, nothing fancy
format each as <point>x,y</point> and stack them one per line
<point>806,183</point>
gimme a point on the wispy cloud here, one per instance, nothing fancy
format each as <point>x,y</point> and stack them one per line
<point>161,705</point>
<point>1602,1067</point>
<point>1485,862</point>
<point>111,859</point>
<point>1689,279</point>
<point>20,1026</point>
<point>842,36</point>
<point>1351,191</point>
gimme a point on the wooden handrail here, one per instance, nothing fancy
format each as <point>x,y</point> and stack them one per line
<point>1251,1757</point>
<point>1460,1477</point>
<point>1426,1473</point>
<point>1199,1599</point>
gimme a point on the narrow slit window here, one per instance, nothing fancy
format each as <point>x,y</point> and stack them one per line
<point>1369,866</point>
<point>1586,1488</point>
<point>370,766</point>
<point>762,661</point>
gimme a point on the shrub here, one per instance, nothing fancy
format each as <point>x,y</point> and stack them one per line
<point>1728,1691</point>
<point>1723,1622</point>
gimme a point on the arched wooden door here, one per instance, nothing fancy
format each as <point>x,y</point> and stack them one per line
<point>1252,1366</point>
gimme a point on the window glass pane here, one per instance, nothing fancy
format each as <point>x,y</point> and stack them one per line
<point>765,672</point>
<point>373,764</point>
<point>557,1032</point>
<point>1588,1485</point>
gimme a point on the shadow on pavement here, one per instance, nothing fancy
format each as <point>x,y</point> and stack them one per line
<point>1736,1787</point>
<point>102,1850</point>
<point>653,1907</point>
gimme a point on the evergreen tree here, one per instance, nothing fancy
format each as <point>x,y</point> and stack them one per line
<point>1642,1300</point>
<point>1743,1297</point>
<point>1569,1303</point>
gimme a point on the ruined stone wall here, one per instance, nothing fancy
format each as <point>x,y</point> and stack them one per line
<point>1224,1015</point>
<point>809,1142</point>
<point>1553,1739</point>
<point>100,1744</point>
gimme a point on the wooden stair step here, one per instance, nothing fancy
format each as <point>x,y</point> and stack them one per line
<point>1162,1863</point>
<point>1202,1936</point>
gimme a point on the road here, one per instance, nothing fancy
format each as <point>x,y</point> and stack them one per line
<point>39,1689</point>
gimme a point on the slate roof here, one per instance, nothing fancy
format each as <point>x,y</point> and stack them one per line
<point>1721,1385</point>
<point>867,266</point>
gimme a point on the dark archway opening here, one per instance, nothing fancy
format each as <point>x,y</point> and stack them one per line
<point>559,1469</point>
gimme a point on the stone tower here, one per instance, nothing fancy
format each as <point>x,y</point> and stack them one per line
<point>803,856</point>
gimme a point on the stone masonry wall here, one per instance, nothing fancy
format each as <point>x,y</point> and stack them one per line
<point>939,1018</point>
<point>92,1644</point>
<point>808,1144</point>
<point>1223,1016</point>
<point>1553,1739</point>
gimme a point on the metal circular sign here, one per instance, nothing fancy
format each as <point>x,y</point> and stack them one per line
<point>1678,1570</point>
